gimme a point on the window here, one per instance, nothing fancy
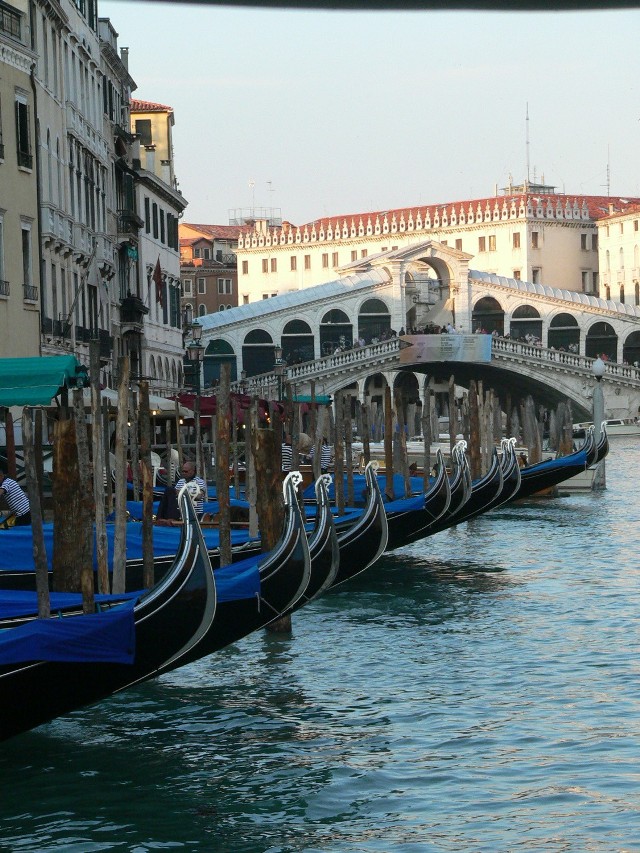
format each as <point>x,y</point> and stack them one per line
<point>202,310</point>
<point>224,285</point>
<point>585,281</point>
<point>265,265</point>
<point>3,283</point>
<point>307,262</point>
<point>596,282</point>
<point>265,295</point>
<point>143,130</point>
<point>30,292</point>
<point>196,253</point>
<point>154,219</point>
<point>635,221</point>
<point>364,253</point>
<point>622,227</point>
<point>147,215</point>
<point>274,294</point>
<point>274,265</point>
<point>492,242</point>
<point>534,239</point>
<point>583,242</point>
<point>459,245</point>
<point>202,285</point>
<point>206,254</point>
<point>1,141</point>
<point>187,287</point>
<point>220,307</point>
<point>10,22</point>
<point>245,298</point>
<point>162,226</point>
<point>594,242</point>
<point>245,268</point>
<point>325,260</point>
<point>535,275</point>
<point>516,275</point>
<point>482,244</point>
<point>444,242</point>
<point>334,259</point>
<point>516,239</point>
<point>294,263</point>
<point>354,255</point>
<point>23,133</point>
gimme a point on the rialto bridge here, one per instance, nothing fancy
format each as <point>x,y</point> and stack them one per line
<point>362,330</point>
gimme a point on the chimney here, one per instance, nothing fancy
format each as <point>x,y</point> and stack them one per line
<point>124,56</point>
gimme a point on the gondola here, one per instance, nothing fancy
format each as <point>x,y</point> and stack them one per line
<point>324,549</point>
<point>602,446</point>
<point>366,539</point>
<point>49,667</point>
<point>410,519</point>
<point>545,475</point>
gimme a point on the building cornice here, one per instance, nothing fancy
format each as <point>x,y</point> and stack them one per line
<point>160,188</point>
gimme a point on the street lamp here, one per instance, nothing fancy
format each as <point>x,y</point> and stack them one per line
<point>195,354</point>
<point>279,366</point>
<point>598,368</point>
<point>195,350</point>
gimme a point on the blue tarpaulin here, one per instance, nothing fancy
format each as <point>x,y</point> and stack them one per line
<point>107,637</point>
<point>237,581</point>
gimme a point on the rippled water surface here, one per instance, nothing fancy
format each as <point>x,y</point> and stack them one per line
<point>477,691</point>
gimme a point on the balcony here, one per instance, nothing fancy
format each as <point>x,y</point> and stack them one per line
<point>30,293</point>
<point>4,287</point>
<point>129,222</point>
<point>106,343</point>
<point>132,311</point>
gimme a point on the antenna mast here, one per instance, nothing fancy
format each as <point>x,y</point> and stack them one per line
<point>527,138</point>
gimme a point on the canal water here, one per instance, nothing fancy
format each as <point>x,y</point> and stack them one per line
<point>477,691</point>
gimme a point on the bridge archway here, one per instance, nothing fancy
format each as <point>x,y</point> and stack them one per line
<point>258,354</point>
<point>297,342</point>
<point>488,315</point>
<point>601,340</point>
<point>631,348</point>
<point>564,333</point>
<point>334,325</point>
<point>525,321</point>
<point>217,353</point>
<point>374,320</point>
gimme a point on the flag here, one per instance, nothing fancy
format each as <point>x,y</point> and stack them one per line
<point>157,277</point>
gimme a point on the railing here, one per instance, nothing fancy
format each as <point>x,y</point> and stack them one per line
<point>30,293</point>
<point>4,287</point>
<point>25,159</point>
<point>579,363</point>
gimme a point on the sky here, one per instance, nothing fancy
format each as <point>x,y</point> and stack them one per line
<point>330,113</point>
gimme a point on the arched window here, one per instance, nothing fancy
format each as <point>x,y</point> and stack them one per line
<point>564,333</point>
<point>374,321</point>
<point>334,326</point>
<point>488,316</point>
<point>202,310</point>
<point>217,353</point>
<point>526,323</point>
<point>297,342</point>
<point>258,354</point>
<point>631,349</point>
<point>602,339</point>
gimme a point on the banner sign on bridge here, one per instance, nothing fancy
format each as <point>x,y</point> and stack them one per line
<point>415,349</point>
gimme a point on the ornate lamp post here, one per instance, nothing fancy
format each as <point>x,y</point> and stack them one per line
<point>195,354</point>
<point>598,368</point>
<point>279,365</point>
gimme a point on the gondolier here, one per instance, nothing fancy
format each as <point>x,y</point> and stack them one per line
<point>15,497</point>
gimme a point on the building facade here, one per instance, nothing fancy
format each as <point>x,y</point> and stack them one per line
<point>19,215</point>
<point>529,233</point>
<point>619,242</point>
<point>209,272</point>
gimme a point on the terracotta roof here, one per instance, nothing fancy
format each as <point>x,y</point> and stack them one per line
<point>632,206</point>
<point>596,205</point>
<point>148,107</point>
<point>221,232</point>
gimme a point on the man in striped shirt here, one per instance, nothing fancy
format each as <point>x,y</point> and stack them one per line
<point>15,497</point>
<point>287,454</point>
<point>189,476</point>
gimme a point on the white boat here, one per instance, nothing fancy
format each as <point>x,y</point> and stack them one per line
<point>614,426</point>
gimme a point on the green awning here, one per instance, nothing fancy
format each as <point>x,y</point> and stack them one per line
<point>36,381</point>
<point>321,399</point>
